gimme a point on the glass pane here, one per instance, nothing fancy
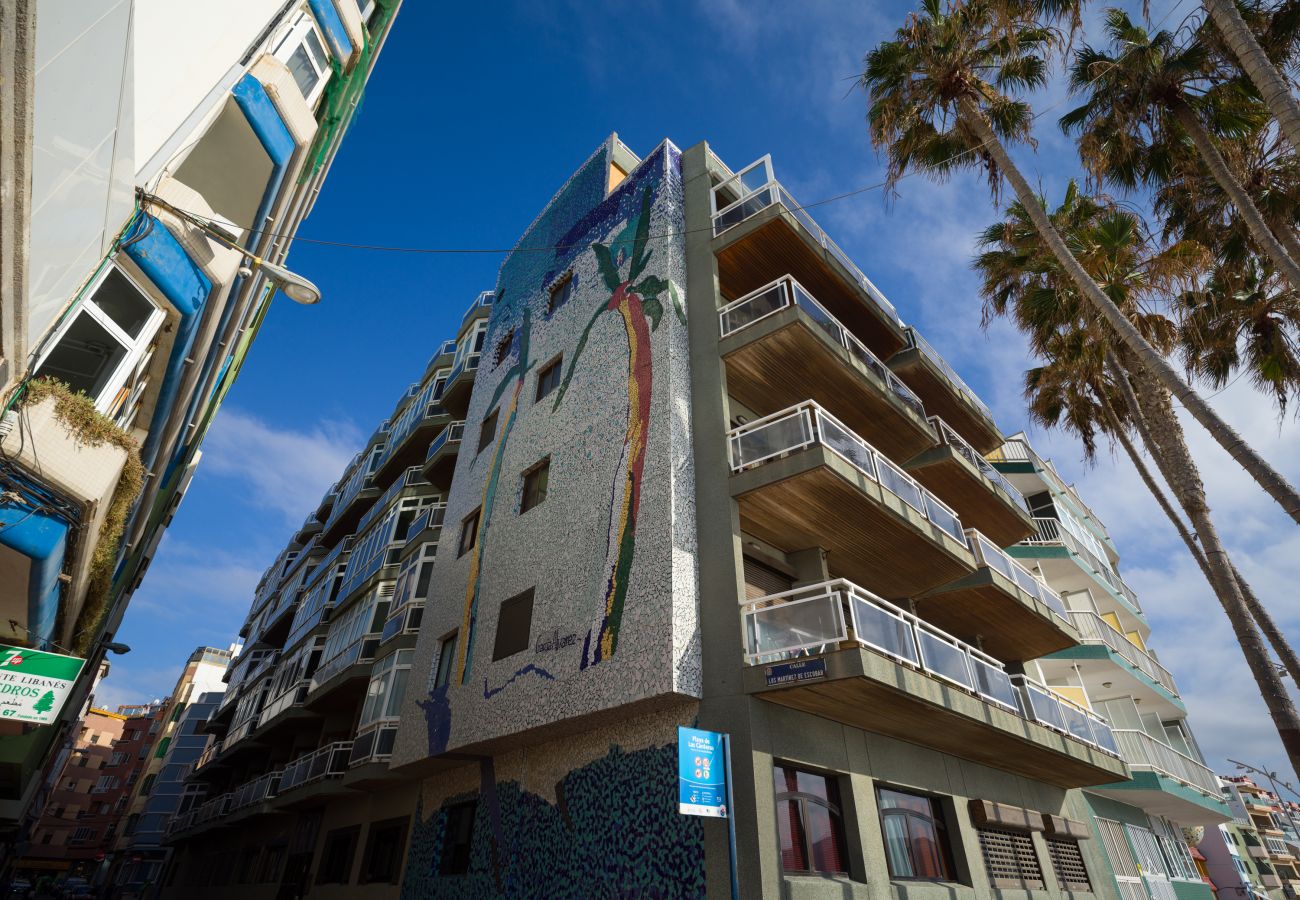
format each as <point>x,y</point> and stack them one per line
<point>807,624</point>
<point>927,855</point>
<point>902,486</point>
<point>302,70</point>
<point>846,445</point>
<point>900,861</point>
<point>770,439</point>
<point>125,305</point>
<point>823,838</point>
<point>944,659</point>
<point>882,630</point>
<point>85,358</point>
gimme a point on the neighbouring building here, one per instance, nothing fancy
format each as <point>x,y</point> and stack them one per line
<point>139,141</point>
<point>686,466</point>
<point>1266,829</point>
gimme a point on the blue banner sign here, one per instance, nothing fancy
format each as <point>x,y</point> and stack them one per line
<point>701,773</point>
<point>794,672</point>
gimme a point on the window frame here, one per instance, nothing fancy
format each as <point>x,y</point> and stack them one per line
<point>556,365</point>
<point>469,530</point>
<point>535,471</point>
<point>447,647</point>
<point>487,430</point>
<point>399,826</point>
<point>834,806</point>
<point>518,600</point>
<point>351,834</point>
<point>460,864</point>
<point>296,36</point>
<point>559,293</point>
<point>937,821</point>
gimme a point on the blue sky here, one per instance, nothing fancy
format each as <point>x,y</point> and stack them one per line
<point>473,119</point>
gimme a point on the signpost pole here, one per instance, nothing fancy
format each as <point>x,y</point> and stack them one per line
<point>731,821</point>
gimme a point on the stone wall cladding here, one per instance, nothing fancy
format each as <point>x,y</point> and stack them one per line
<point>611,552</point>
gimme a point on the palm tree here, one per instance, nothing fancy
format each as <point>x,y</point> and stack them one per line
<point>1022,280</point>
<point>938,102</point>
<point>1143,98</point>
<point>1258,67</point>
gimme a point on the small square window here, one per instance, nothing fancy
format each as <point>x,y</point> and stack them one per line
<point>502,349</point>
<point>917,844</point>
<point>560,294</point>
<point>446,659</point>
<point>548,379</point>
<point>488,430</point>
<point>468,533</point>
<point>514,626</point>
<point>457,839</point>
<point>536,481</point>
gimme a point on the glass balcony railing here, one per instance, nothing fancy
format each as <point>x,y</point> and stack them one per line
<point>293,696</point>
<point>785,292</point>
<point>991,555</point>
<point>362,650</point>
<point>1015,450</point>
<point>807,425</point>
<point>958,443</point>
<point>1046,707</point>
<point>1050,532</point>
<point>754,189</point>
<point>429,517</point>
<point>915,339</point>
<point>404,621</point>
<point>1141,751</point>
<point>375,745</point>
<point>253,792</point>
<point>1096,630</point>
<point>452,434</point>
<point>330,761</point>
<point>481,301</point>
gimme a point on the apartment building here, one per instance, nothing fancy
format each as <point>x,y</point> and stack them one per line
<point>1270,835</point>
<point>684,466</point>
<point>150,145</point>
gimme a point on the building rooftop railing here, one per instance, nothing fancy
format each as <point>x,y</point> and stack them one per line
<point>1142,751</point>
<point>993,556</point>
<point>918,341</point>
<point>785,292</point>
<point>1096,630</point>
<point>949,436</point>
<point>808,424</point>
<point>756,188</point>
<point>330,761</point>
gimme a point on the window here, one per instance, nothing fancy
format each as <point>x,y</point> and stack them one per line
<point>1010,859</point>
<point>1067,860</point>
<point>336,858</point>
<point>118,759</point>
<point>810,824</point>
<point>457,838</point>
<point>548,378</point>
<point>536,481</point>
<point>272,859</point>
<point>383,860</point>
<point>468,533</point>
<point>94,737</point>
<point>487,430</point>
<point>147,785</point>
<point>103,348</point>
<point>561,291</point>
<point>302,50</point>
<point>387,685</point>
<point>514,626</point>
<point>503,348</point>
<point>82,834</point>
<point>916,836</point>
<point>446,659</point>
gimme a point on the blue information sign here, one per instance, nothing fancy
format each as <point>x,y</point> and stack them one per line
<point>701,773</point>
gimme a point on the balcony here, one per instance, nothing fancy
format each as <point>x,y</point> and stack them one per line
<point>1095,630</point>
<point>347,668</point>
<point>1166,782</point>
<point>410,434</point>
<point>762,234</point>
<point>980,494</point>
<point>440,461</point>
<point>330,761</point>
<point>1016,615</point>
<point>1051,541</point>
<point>781,346</point>
<point>1015,456</point>
<point>460,383</point>
<point>354,498</point>
<point>802,479</point>
<point>944,393</point>
<point>838,651</point>
<point>254,792</point>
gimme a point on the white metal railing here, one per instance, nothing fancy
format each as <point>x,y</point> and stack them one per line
<point>937,360</point>
<point>949,436</point>
<point>818,618</point>
<point>1019,450</point>
<point>807,424</point>
<point>452,434</point>
<point>756,189</point>
<point>1050,532</point>
<point>993,556</point>
<point>1096,630</point>
<point>1046,707</point>
<point>210,752</point>
<point>361,650</point>
<point>294,695</point>
<point>375,745</point>
<point>785,292</point>
<point>255,791</point>
<point>1142,751</point>
<point>330,761</point>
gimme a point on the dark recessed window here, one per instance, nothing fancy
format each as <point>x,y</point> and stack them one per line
<point>383,860</point>
<point>446,659</point>
<point>916,836</point>
<point>560,293</point>
<point>514,626</point>
<point>457,839</point>
<point>548,379</point>
<point>488,430</point>
<point>468,533</point>
<point>336,858</point>
<point>810,824</point>
<point>502,349</point>
<point>536,481</point>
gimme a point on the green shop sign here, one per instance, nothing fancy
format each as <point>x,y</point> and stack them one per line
<point>34,685</point>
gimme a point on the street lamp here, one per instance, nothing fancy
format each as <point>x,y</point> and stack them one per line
<point>293,285</point>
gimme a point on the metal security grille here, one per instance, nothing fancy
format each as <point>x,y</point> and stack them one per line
<point>1010,859</point>
<point>1067,859</point>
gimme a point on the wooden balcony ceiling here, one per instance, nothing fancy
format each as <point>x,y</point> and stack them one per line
<point>978,502</point>
<point>1009,624</point>
<point>780,362</point>
<point>941,399</point>
<point>869,691</point>
<point>439,469</point>
<point>770,245</point>
<point>813,498</point>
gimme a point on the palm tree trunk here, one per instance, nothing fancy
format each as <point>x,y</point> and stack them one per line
<point>1180,471</point>
<point>1214,161</point>
<point>1257,66</point>
<point>1276,639</point>
<point>1265,475</point>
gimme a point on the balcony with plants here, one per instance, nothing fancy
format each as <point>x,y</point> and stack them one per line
<point>761,234</point>
<point>839,651</point>
<point>802,478</point>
